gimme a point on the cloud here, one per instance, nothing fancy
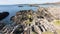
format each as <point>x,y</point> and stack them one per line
<point>11,2</point>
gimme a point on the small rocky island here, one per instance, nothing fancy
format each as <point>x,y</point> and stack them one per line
<point>33,22</point>
<point>3,15</point>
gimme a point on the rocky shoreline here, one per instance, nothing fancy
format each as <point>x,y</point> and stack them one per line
<point>33,22</point>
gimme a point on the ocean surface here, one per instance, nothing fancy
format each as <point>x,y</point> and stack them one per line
<point>12,9</point>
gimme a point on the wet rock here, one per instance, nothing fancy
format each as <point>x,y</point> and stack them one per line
<point>12,18</point>
<point>3,15</point>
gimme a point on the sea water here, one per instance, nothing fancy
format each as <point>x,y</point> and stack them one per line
<point>12,9</point>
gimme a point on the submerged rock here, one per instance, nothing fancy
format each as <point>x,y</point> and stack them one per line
<point>20,6</point>
<point>3,15</point>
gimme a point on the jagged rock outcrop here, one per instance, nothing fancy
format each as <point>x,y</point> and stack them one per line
<point>21,16</point>
<point>28,21</point>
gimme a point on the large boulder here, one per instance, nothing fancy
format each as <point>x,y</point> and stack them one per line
<point>3,15</point>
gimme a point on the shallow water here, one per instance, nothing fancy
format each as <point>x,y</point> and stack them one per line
<point>12,9</point>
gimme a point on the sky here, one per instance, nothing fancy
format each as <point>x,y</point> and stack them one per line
<point>11,2</point>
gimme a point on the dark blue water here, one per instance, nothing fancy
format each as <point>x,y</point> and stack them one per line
<point>12,9</point>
